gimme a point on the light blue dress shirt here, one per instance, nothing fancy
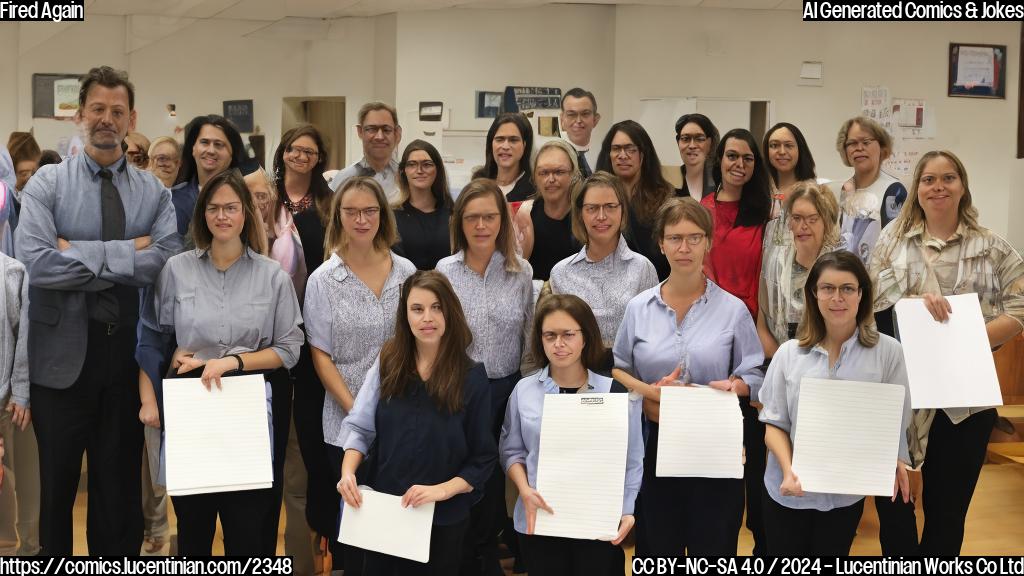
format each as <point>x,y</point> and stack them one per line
<point>520,434</point>
<point>780,395</point>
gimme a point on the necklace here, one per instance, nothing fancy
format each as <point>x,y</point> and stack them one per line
<point>300,205</point>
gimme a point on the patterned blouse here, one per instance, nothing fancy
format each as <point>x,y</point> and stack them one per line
<point>972,260</point>
<point>345,319</point>
<point>498,308</point>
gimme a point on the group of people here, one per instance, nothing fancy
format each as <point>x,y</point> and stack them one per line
<point>394,325</point>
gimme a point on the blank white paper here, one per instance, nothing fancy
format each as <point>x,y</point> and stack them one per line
<point>848,436</point>
<point>949,364</point>
<point>581,468</point>
<point>381,524</point>
<point>700,433</point>
<point>217,440</point>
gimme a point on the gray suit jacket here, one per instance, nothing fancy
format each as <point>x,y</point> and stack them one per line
<point>63,201</point>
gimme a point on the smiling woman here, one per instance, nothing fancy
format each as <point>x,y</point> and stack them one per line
<point>212,145</point>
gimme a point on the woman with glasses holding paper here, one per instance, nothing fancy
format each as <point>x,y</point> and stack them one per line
<point>232,310</point>
<point>836,341</point>
<point>507,156</point>
<point>870,199</point>
<point>686,329</point>
<point>606,274</point>
<point>424,206</point>
<point>425,411</point>
<point>544,222</point>
<point>627,152</point>
<point>937,248</point>
<point>567,342</point>
<point>697,139</point>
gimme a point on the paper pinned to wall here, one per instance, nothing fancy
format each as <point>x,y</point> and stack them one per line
<point>658,116</point>
<point>582,465</point>
<point>876,103</point>
<point>949,364</point>
<point>847,436</point>
<point>975,66</point>
<point>382,525</point>
<point>217,440</point>
<point>700,433</point>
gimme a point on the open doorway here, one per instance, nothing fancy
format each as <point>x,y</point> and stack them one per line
<point>327,114</point>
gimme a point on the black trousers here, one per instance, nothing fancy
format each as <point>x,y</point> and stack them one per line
<point>950,473</point>
<point>99,416</point>
<point>897,527</point>
<point>553,556</point>
<point>488,516</point>
<point>753,473</point>
<point>281,407</point>
<point>446,543</point>
<point>698,516</point>
<point>795,532</point>
<point>242,516</point>
<point>344,556</point>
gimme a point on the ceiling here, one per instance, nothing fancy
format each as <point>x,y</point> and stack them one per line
<point>274,10</point>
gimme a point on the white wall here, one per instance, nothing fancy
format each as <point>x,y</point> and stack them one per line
<point>754,54</point>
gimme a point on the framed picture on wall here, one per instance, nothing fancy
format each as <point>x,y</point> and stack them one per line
<point>977,70</point>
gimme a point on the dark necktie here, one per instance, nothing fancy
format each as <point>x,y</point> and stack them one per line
<point>110,302</point>
<point>584,166</point>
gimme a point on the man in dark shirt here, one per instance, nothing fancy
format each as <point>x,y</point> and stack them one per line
<point>93,230</point>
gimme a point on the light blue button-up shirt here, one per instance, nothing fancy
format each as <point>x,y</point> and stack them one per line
<point>717,338</point>
<point>780,395</point>
<point>520,435</point>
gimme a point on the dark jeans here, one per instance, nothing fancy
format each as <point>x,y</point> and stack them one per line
<point>281,408</point>
<point>98,415</point>
<point>446,543</point>
<point>698,516</point>
<point>810,532</point>
<point>950,473</point>
<point>242,516</point>
<point>553,556</point>
<point>488,516</point>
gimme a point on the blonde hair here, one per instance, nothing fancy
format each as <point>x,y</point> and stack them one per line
<point>871,127</point>
<point>823,200</point>
<point>335,239</point>
<point>164,140</point>
<point>570,152</point>
<point>912,214</point>
<point>505,242</point>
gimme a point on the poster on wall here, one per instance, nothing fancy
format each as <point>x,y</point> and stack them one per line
<point>240,112</point>
<point>977,71</point>
<point>65,97</point>
<point>523,98</point>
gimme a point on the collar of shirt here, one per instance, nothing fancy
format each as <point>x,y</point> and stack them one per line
<point>341,271</point>
<point>389,171</point>
<point>851,341</point>
<point>497,261</point>
<point>551,387</point>
<point>203,253</point>
<point>710,291</point>
<point>578,148</point>
<point>621,252</point>
<point>119,165</point>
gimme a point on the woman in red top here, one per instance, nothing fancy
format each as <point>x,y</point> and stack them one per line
<point>741,208</point>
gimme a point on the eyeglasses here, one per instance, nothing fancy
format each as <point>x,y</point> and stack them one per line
<point>628,150</point>
<point>609,208</point>
<point>355,213</point>
<point>675,240</point>
<point>567,336</point>
<point>688,139</point>
<point>585,115</point>
<point>828,290</point>
<point>490,218</point>
<point>232,209</point>
<point>373,129</point>
<point>735,157</point>
<point>414,166</point>
<point>799,220</point>
<point>560,173</point>
<point>137,158</point>
<point>862,143</point>
<point>164,159</point>
<point>510,140</point>
<point>300,151</point>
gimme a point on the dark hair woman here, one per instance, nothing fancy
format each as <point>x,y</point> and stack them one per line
<point>507,156</point>
<point>697,139</point>
<point>212,145</point>
<point>424,206</point>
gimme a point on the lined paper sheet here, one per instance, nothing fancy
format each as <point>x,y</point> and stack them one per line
<point>581,469</point>
<point>700,433</point>
<point>381,524</point>
<point>217,440</point>
<point>848,436</point>
<point>949,364</point>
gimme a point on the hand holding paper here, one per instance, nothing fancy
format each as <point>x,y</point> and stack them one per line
<point>532,501</point>
<point>384,525</point>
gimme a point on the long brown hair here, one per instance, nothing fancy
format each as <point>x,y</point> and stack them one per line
<point>812,325</point>
<point>398,356</point>
<point>254,234</point>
